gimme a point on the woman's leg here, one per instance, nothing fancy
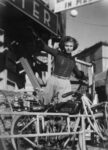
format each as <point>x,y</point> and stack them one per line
<point>49,90</point>
<point>63,87</point>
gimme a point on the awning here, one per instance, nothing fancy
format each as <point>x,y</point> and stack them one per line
<point>37,11</point>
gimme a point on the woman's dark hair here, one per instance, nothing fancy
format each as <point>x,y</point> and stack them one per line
<point>68,39</point>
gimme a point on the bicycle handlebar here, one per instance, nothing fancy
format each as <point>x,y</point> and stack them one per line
<point>82,82</point>
<point>71,93</point>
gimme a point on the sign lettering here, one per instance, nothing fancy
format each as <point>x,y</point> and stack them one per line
<point>38,12</point>
<point>62,5</point>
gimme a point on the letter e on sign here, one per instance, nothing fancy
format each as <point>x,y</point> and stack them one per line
<point>35,9</point>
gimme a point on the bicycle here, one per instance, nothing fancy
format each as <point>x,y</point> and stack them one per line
<point>53,128</point>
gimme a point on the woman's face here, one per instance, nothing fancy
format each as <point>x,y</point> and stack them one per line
<point>68,46</point>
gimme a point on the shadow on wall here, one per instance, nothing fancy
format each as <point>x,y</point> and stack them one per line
<point>7,62</point>
<point>101,93</point>
<point>3,60</point>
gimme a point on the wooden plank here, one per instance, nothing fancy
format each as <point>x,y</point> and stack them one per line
<point>30,73</point>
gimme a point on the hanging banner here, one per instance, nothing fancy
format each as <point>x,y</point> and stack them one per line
<point>38,12</point>
<point>62,5</point>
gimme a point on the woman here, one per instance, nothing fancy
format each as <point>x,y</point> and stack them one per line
<point>64,68</point>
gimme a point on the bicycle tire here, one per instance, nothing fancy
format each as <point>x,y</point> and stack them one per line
<point>14,131</point>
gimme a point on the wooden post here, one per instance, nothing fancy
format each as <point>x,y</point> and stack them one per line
<point>3,74</point>
<point>91,81</point>
<point>49,59</point>
<point>106,85</point>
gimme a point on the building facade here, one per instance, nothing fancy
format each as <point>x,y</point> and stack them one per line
<point>98,56</point>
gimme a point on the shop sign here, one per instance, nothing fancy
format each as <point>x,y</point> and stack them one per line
<point>61,5</point>
<point>38,12</point>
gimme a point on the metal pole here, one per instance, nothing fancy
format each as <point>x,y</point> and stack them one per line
<point>83,134</point>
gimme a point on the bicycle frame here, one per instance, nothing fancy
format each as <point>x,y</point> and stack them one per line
<point>70,130</point>
<point>44,125</point>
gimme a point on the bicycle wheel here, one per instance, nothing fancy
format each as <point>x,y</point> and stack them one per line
<point>24,125</point>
